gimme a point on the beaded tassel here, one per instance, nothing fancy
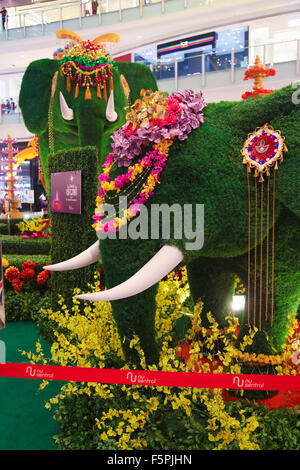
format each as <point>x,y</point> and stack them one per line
<point>88,95</point>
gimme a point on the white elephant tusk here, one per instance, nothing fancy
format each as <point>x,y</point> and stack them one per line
<point>152,272</point>
<point>67,113</point>
<point>87,257</point>
<point>110,113</point>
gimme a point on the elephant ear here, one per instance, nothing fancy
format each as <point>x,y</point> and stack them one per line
<point>138,77</point>
<point>35,94</point>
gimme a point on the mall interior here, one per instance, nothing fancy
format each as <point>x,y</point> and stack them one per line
<point>226,38</point>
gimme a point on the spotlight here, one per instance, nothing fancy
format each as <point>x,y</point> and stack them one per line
<point>238,302</point>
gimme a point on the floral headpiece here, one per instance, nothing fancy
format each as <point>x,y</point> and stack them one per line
<point>87,64</point>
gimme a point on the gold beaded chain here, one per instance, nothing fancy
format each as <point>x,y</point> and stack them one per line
<point>128,191</point>
<point>50,125</point>
<point>133,190</point>
<point>118,212</point>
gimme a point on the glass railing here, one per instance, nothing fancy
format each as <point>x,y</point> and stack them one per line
<point>212,70</point>
<point>232,60</point>
<point>46,18</point>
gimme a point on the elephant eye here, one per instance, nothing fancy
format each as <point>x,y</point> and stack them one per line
<point>66,112</point>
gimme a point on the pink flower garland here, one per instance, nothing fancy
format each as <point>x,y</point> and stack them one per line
<point>156,159</point>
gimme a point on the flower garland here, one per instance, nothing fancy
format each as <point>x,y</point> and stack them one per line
<point>156,119</point>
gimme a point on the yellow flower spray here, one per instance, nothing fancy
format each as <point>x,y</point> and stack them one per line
<point>90,339</point>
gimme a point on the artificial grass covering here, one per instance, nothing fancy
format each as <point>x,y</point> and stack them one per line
<point>25,423</point>
<point>73,233</point>
<point>207,169</point>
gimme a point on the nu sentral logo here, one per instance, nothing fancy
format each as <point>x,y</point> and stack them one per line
<point>38,373</point>
<point>247,383</point>
<point>139,379</point>
<point>156,222</point>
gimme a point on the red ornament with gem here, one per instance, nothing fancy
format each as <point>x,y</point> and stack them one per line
<point>263,149</point>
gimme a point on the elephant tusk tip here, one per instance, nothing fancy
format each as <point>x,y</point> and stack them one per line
<point>83,297</point>
<point>48,268</point>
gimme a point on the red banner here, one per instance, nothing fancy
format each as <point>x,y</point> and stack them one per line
<point>151,378</point>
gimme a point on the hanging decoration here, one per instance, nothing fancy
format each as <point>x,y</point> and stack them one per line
<point>262,151</point>
<point>257,73</point>
<point>87,64</point>
<point>156,118</point>
<point>11,179</point>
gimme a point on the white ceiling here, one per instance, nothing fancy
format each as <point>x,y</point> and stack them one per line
<point>16,55</point>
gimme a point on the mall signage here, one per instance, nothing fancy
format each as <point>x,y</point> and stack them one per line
<point>66,192</point>
<point>186,44</point>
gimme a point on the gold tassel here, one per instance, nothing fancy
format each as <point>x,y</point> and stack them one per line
<point>261,180</point>
<point>276,165</point>
<point>76,91</point>
<point>111,84</point>
<point>88,95</point>
<point>68,83</point>
<point>104,92</point>
<point>99,91</point>
<point>62,71</point>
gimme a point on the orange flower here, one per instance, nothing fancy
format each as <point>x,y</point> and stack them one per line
<point>27,273</point>
<point>28,264</point>
<point>17,285</point>
<point>12,273</point>
<point>42,277</point>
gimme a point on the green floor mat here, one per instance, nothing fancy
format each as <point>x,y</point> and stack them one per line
<point>25,423</point>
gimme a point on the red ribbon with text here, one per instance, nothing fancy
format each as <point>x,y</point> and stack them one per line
<point>151,378</point>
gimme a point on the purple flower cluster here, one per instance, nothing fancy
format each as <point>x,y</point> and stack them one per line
<point>129,145</point>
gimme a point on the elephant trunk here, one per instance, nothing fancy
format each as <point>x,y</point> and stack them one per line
<point>151,273</point>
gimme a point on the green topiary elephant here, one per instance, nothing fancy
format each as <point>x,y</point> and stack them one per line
<point>61,119</point>
<point>208,169</point>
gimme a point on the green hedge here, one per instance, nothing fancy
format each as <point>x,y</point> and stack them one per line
<point>12,244</point>
<point>25,305</point>
<point>278,429</point>
<point>72,233</point>
<point>18,260</point>
<point>14,230</point>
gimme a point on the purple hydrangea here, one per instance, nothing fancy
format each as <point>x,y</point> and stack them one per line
<point>127,147</point>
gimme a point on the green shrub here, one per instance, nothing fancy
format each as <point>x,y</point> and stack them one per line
<point>14,230</point>
<point>12,244</point>
<point>18,260</point>
<point>72,233</point>
<point>279,429</point>
<point>21,306</point>
<point>3,228</point>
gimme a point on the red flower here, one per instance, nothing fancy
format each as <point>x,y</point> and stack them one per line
<point>42,277</point>
<point>173,106</point>
<point>169,120</point>
<point>49,272</point>
<point>12,273</point>
<point>17,285</point>
<point>28,264</point>
<point>27,273</point>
